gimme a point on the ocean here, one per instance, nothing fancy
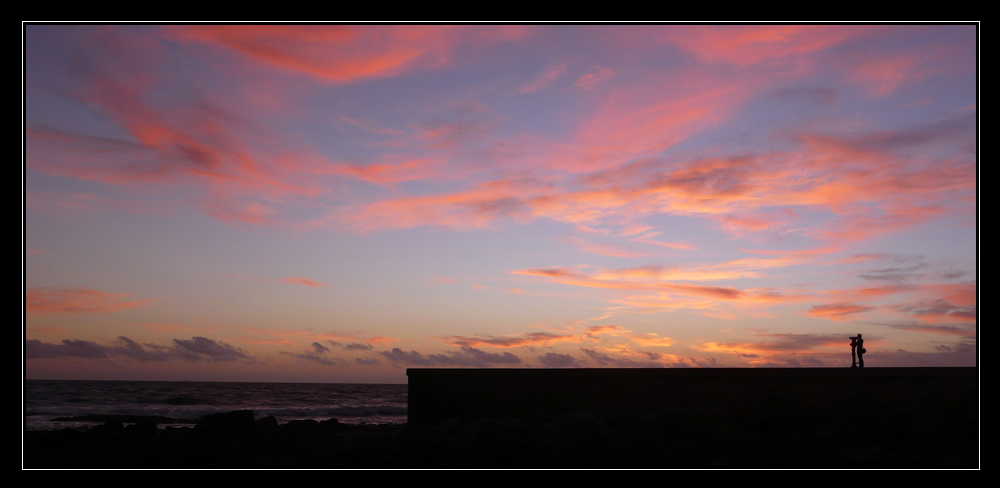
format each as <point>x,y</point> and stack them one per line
<point>45,400</point>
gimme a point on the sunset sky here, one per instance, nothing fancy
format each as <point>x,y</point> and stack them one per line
<point>338,203</point>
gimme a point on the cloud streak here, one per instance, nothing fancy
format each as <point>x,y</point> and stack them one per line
<point>192,350</point>
<point>54,300</point>
<point>465,357</point>
<point>349,53</point>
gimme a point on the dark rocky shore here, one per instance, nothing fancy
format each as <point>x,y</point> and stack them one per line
<point>756,438</point>
<point>580,418</point>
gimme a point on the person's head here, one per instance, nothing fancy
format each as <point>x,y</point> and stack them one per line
<point>859,336</point>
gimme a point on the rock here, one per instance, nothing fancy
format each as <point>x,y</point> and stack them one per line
<point>144,429</point>
<point>225,424</point>
<point>106,428</point>
<point>268,422</point>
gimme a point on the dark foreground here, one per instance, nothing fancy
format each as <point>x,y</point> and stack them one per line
<point>581,418</point>
<point>757,438</point>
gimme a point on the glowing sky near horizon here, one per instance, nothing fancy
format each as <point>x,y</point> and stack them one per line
<point>338,203</point>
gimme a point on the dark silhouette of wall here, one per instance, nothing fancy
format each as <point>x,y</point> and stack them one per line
<point>442,394</point>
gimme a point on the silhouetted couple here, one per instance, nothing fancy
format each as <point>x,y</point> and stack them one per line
<point>858,352</point>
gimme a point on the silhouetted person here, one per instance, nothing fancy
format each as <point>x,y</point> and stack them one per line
<point>854,349</point>
<point>861,352</point>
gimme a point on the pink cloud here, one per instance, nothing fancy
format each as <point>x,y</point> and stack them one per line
<point>188,143</point>
<point>961,294</point>
<point>883,71</point>
<point>389,174</point>
<point>47,330</point>
<point>886,73</point>
<point>649,279</point>
<point>50,300</point>
<point>440,280</point>
<point>595,75</point>
<point>347,53</point>
<point>637,121</point>
<point>291,280</point>
<point>544,79</point>
<point>750,44</point>
<point>298,280</point>
<point>367,125</point>
<point>380,340</point>
<point>609,167</point>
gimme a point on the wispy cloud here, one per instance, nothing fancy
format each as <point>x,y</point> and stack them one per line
<point>343,54</point>
<point>298,280</point>
<point>595,75</point>
<point>545,78</point>
<point>51,300</point>
<point>838,311</point>
<point>747,45</point>
<point>291,280</point>
<point>532,338</point>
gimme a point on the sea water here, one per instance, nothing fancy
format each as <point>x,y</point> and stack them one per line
<point>45,400</point>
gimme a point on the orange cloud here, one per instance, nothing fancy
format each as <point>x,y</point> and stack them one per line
<point>49,300</point>
<point>291,280</point>
<point>838,311</point>
<point>864,181</point>
<point>651,340</point>
<point>613,330</point>
<point>653,279</point>
<point>379,340</point>
<point>788,349</point>
<point>651,289</point>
